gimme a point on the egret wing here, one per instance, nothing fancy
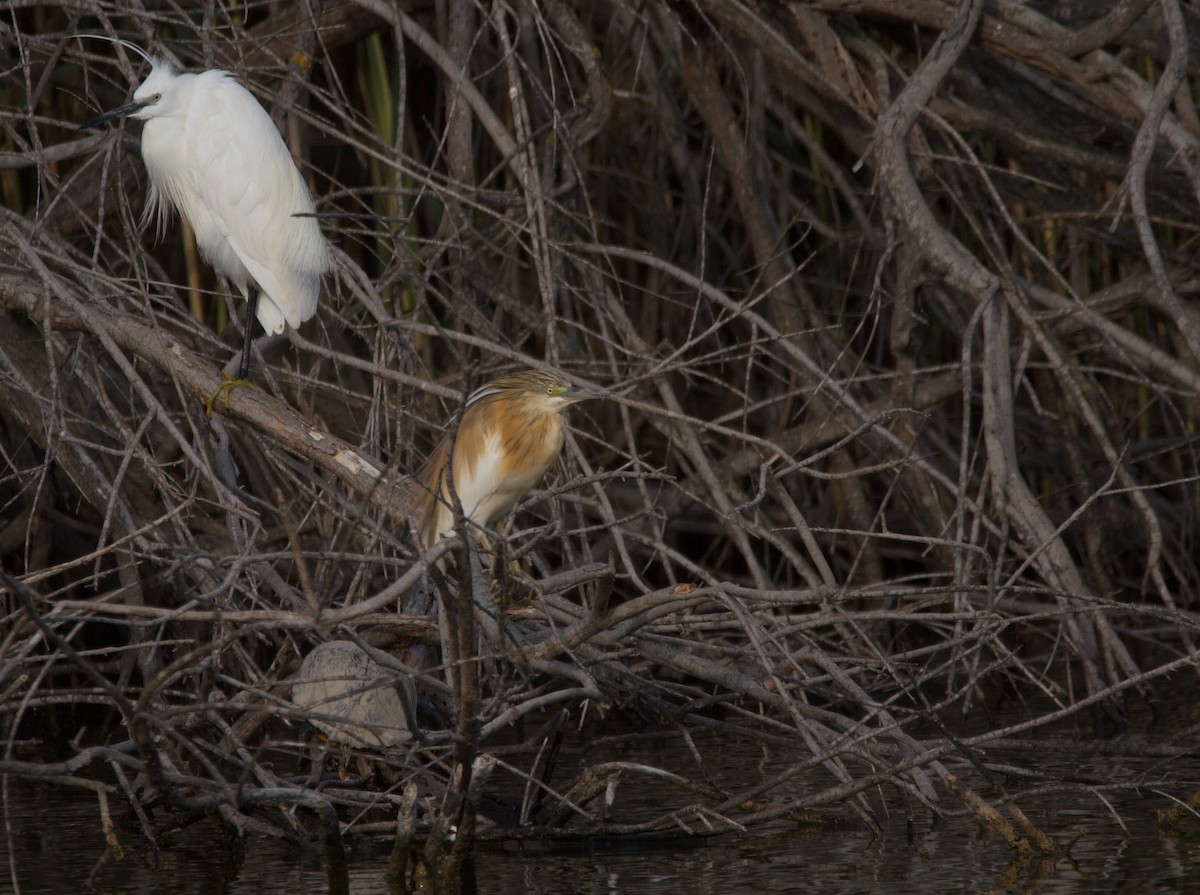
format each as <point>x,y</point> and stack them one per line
<point>252,193</point>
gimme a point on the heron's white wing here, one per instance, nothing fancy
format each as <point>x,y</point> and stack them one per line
<point>251,191</point>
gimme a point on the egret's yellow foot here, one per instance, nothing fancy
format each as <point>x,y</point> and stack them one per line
<point>227,385</point>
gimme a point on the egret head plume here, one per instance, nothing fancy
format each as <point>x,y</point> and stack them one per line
<point>149,93</point>
<point>126,44</point>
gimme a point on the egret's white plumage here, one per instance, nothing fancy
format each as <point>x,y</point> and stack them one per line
<point>213,153</point>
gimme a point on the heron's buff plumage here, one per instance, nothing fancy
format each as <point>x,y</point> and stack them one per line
<point>510,434</point>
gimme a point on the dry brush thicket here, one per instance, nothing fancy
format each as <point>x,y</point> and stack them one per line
<point>899,302</point>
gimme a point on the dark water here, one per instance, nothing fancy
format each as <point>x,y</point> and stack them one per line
<point>53,841</point>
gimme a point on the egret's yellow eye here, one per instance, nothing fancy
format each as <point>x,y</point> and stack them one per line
<point>156,97</point>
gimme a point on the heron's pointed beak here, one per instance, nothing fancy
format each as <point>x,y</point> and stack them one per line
<point>119,112</point>
<point>579,393</point>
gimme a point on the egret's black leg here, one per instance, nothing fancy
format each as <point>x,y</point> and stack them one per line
<point>248,342</point>
<point>243,376</point>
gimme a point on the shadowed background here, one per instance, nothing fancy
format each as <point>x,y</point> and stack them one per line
<point>903,334</point>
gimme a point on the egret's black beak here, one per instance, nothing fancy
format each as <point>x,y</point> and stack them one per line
<point>118,112</point>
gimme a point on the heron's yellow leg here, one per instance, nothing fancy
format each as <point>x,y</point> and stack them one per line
<point>511,584</point>
<point>515,587</point>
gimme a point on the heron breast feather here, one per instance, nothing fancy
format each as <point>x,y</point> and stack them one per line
<point>493,483</point>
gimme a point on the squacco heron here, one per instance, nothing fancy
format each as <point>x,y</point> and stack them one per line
<point>510,433</point>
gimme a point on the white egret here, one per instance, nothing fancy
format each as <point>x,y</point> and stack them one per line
<point>213,153</point>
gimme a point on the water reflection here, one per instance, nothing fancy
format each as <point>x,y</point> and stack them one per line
<point>54,841</point>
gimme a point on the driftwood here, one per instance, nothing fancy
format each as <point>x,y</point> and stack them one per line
<point>899,303</point>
